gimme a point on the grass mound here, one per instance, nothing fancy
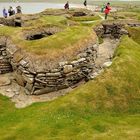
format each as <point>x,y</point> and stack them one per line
<point>68,34</point>
<point>105,108</point>
<point>134,33</point>
<point>86,18</point>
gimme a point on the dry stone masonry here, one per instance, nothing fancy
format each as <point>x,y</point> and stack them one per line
<point>113,30</point>
<point>65,75</point>
<point>5,65</point>
<point>45,80</point>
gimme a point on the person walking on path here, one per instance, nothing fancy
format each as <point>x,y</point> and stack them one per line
<point>5,13</point>
<point>85,3</point>
<point>107,10</point>
<point>66,5</point>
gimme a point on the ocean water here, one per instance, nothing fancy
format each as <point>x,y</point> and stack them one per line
<point>31,8</point>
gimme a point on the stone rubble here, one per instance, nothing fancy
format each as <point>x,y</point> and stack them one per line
<point>112,30</point>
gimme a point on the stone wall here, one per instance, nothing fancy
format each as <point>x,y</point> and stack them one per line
<point>44,80</point>
<point>113,30</point>
<point>66,74</point>
<point>5,65</point>
<point>15,20</point>
<point>7,21</point>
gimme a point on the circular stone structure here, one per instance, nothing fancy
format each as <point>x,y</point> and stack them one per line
<point>49,51</point>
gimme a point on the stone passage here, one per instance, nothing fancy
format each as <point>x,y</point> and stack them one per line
<point>5,65</point>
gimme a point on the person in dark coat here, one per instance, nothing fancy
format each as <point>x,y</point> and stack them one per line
<point>11,11</point>
<point>85,3</point>
<point>18,9</point>
<point>66,5</point>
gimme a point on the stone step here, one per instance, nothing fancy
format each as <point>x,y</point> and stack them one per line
<point>5,68</point>
<point>4,71</point>
<point>4,63</point>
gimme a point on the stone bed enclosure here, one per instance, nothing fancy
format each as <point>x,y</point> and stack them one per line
<point>64,74</point>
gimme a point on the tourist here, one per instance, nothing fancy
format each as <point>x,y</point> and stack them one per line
<point>14,11</point>
<point>18,9</point>
<point>85,3</point>
<point>11,11</point>
<point>107,10</point>
<point>102,8</point>
<point>5,13</point>
<point>66,5</point>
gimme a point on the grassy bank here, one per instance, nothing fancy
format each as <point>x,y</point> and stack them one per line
<point>105,108</point>
<point>71,35</point>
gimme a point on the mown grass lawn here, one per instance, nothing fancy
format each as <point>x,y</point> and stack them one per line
<point>107,108</point>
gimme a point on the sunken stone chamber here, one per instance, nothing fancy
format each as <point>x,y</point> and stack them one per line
<point>36,34</point>
<point>66,74</point>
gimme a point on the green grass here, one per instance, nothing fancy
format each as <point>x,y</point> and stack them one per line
<point>126,15</point>
<point>134,33</point>
<point>70,36</point>
<point>59,21</point>
<point>130,13</point>
<point>106,108</point>
<point>86,18</point>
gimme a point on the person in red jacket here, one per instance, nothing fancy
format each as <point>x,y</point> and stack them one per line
<point>107,10</point>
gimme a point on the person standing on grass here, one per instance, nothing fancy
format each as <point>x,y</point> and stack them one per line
<point>66,5</point>
<point>85,3</point>
<point>11,11</point>
<point>5,13</point>
<point>107,10</point>
<point>18,9</point>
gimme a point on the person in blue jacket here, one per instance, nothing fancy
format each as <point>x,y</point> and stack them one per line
<point>5,13</point>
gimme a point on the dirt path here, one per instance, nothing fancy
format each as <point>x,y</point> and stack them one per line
<point>105,55</point>
<point>16,93</point>
<point>106,51</point>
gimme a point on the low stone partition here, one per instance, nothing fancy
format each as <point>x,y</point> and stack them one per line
<point>5,65</point>
<point>11,21</point>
